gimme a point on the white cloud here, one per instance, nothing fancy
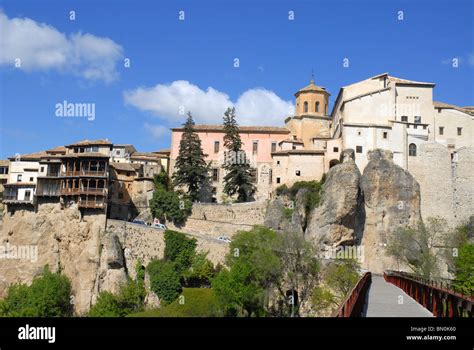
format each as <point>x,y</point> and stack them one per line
<point>157,131</point>
<point>42,47</point>
<point>170,102</point>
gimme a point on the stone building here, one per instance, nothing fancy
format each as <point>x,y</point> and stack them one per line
<point>381,112</point>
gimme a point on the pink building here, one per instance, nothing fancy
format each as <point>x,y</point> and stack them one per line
<point>258,143</point>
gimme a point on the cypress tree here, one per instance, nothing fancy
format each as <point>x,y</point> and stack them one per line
<point>191,170</point>
<point>238,179</point>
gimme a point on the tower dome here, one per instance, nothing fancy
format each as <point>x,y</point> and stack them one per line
<point>312,100</point>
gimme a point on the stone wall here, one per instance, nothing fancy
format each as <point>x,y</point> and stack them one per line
<point>216,220</point>
<point>446,182</point>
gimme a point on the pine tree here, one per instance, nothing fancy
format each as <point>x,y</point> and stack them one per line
<point>191,170</point>
<point>238,179</point>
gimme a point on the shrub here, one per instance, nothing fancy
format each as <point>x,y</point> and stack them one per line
<point>164,280</point>
<point>130,299</point>
<point>49,295</point>
<point>464,269</point>
<point>342,276</point>
<point>179,249</point>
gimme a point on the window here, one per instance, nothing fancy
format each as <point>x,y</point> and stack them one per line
<point>27,195</point>
<point>18,177</point>
<point>297,173</point>
<point>274,146</point>
<point>42,169</point>
<point>293,147</point>
<point>305,107</point>
<point>270,176</point>
<point>31,179</point>
<point>317,107</point>
<point>404,118</point>
<point>278,180</point>
<point>278,162</point>
<point>215,175</point>
<point>412,150</point>
<point>216,146</point>
<point>459,131</point>
<point>359,149</point>
<point>417,119</point>
<point>335,149</point>
<point>441,130</point>
<point>95,148</point>
<point>385,135</point>
<point>2,170</point>
<point>214,190</point>
<point>255,147</point>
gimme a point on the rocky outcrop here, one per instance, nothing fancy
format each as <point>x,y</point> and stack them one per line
<point>337,219</point>
<point>286,215</point>
<point>391,200</point>
<point>63,240</point>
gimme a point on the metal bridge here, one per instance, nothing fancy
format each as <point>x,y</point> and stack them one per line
<point>399,294</point>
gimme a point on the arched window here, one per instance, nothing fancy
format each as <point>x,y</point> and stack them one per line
<point>412,150</point>
<point>305,107</point>
<point>317,107</point>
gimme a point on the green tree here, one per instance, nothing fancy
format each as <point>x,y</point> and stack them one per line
<point>49,295</point>
<point>238,179</point>
<point>416,246</point>
<point>322,300</point>
<point>238,291</point>
<point>164,280</point>
<point>130,299</point>
<point>179,249</point>
<point>170,206</point>
<point>464,269</point>
<point>201,272</point>
<point>191,170</point>
<point>342,276</point>
<point>107,305</point>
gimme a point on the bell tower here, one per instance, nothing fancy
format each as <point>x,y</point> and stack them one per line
<point>312,100</point>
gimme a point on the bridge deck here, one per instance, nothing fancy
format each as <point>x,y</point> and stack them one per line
<point>386,300</point>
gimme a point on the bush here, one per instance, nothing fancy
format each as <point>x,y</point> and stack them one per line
<point>164,280</point>
<point>197,302</point>
<point>179,249</point>
<point>170,206</point>
<point>201,272</point>
<point>130,299</point>
<point>322,299</point>
<point>342,276</point>
<point>464,269</point>
<point>49,295</point>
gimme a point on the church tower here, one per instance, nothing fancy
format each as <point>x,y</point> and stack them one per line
<point>311,122</point>
<point>312,100</point>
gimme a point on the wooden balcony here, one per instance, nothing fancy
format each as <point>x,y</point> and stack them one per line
<point>84,173</point>
<point>84,190</point>
<point>91,204</point>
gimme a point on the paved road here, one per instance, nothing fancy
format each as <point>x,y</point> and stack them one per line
<point>387,300</point>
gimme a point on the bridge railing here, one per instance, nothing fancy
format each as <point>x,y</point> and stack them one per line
<point>437,295</point>
<point>354,304</point>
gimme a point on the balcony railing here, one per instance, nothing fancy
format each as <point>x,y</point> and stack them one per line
<point>14,199</point>
<point>84,190</point>
<point>96,173</point>
<point>91,204</point>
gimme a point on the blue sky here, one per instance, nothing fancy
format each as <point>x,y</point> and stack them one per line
<point>190,63</point>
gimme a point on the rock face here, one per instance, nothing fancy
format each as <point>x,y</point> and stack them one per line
<point>286,215</point>
<point>63,241</point>
<point>337,219</point>
<point>391,199</point>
